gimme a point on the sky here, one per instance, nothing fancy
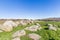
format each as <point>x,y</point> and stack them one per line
<point>29,9</point>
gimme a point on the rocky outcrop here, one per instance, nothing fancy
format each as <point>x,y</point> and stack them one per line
<point>33,28</point>
<point>51,27</point>
<point>34,36</point>
<point>7,26</point>
<point>19,33</point>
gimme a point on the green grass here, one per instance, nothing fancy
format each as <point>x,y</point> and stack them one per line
<point>25,38</point>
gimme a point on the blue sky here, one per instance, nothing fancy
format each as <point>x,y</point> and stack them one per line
<point>31,9</point>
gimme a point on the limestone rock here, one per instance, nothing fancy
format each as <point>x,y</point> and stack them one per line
<point>25,22</point>
<point>9,23</point>
<point>7,26</point>
<point>51,27</point>
<point>17,23</point>
<point>19,33</point>
<point>32,28</point>
<point>22,22</point>
<point>34,36</point>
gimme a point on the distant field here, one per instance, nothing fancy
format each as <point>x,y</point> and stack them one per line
<point>46,34</point>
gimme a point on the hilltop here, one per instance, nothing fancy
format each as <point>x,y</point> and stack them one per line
<point>49,19</point>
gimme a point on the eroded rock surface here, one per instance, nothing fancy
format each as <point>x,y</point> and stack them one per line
<point>19,33</point>
<point>7,26</point>
<point>33,28</point>
<point>34,36</point>
<point>51,27</point>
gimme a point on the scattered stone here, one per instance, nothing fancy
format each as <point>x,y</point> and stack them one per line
<point>51,27</point>
<point>19,33</point>
<point>34,36</point>
<point>33,28</point>
<point>6,28</point>
<point>23,23</point>
<point>17,23</point>
<point>10,24</point>
<point>17,38</point>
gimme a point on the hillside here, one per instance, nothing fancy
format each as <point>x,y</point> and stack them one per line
<point>50,19</point>
<point>25,29</point>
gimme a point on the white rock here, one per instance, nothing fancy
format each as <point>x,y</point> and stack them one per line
<point>17,38</point>
<point>22,22</point>
<point>34,36</point>
<point>10,23</point>
<point>25,22</point>
<point>7,26</point>
<point>51,27</point>
<point>32,28</point>
<point>17,23</point>
<point>19,33</point>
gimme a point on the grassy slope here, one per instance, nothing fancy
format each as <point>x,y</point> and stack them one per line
<point>46,34</point>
